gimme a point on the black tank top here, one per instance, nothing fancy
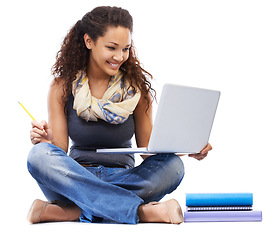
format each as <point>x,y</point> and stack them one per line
<point>88,136</point>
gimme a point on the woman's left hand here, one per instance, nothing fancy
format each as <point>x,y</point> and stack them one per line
<point>203,153</point>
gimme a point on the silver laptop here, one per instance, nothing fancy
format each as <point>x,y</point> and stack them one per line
<point>182,124</point>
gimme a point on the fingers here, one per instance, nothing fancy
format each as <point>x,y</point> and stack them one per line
<point>198,156</point>
<point>38,133</point>
<point>39,125</point>
<point>207,148</point>
<point>203,153</point>
<point>44,125</point>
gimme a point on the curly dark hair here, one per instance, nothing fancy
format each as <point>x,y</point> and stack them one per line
<point>74,55</point>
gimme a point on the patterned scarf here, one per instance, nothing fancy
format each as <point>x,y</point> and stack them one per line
<point>118,102</point>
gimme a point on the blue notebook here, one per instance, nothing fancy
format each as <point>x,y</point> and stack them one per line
<point>219,199</point>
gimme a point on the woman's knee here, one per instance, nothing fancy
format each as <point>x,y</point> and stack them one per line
<point>175,167</point>
<point>169,166</point>
<point>167,173</point>
<point>37,156</point>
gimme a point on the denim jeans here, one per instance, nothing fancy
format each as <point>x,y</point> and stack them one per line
<point>108,193</point>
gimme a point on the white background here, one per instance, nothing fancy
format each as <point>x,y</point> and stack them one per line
<point>228,45</point>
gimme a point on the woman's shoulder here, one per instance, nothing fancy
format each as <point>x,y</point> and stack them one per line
<point>56,89</point>
<point>57,85</point>
<point>57,82</point>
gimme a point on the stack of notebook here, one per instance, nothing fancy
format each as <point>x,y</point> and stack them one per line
<point>220,207</point>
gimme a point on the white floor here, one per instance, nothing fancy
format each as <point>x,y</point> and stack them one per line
<point>141,231</point>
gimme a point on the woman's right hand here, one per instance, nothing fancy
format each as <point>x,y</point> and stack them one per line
<point>40,132</point>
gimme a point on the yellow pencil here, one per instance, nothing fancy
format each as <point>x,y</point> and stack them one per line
<point>27,111</point>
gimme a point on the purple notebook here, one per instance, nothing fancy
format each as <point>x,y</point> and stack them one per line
<point>223,216</point>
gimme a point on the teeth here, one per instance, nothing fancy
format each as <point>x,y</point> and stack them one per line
<point>114,65</point>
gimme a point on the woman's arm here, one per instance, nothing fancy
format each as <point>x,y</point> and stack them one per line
<point>56,116</point>
<point>56,132</point>
<point>143,123</point>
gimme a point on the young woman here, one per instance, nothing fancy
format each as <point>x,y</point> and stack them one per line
<point>100,98</point>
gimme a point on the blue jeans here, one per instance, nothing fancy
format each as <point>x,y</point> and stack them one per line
<point>112,194</point>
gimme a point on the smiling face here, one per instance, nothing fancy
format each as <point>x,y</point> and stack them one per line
<point>108,52</point>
